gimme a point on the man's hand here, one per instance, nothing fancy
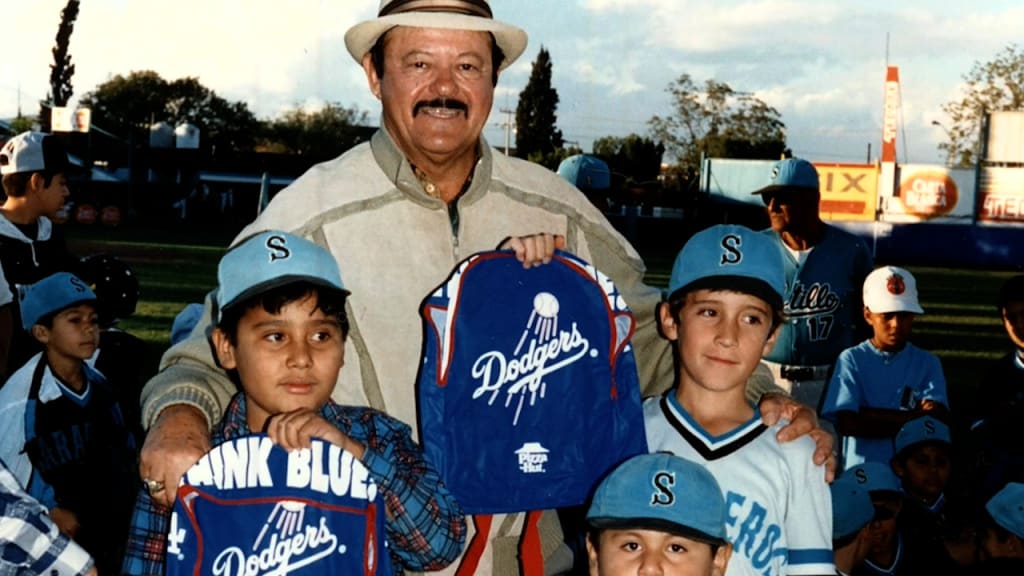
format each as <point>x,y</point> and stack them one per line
<point>802,420</point>
<point>535,249</point>
<point>177,440</point>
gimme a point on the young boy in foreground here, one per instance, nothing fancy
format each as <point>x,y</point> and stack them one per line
<point>723,311</point>
<point>658,514</point>
<point>281,327</point>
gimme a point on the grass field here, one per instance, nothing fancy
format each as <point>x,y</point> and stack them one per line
<point>961,324</point>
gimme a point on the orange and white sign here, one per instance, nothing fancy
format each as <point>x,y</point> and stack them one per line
<point>890,119</point>
<point>848,191</point>
<point>928,192</point>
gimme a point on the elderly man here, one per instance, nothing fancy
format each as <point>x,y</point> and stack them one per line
<point>399,213</point>
<point>825,271</point>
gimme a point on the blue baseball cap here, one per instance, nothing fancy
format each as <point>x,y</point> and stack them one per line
<point>661,492</point>
<point>730,257</point>
<point>791,174</point>
<point>1007,508</point>
<point>271,259</point>
<point>52,294</point>
<point>851,508</point>
<point>874,477</point>
<point>920,430</point>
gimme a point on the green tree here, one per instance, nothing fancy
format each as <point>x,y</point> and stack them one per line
<point>322,134</point>
<point>537,138</point>
<point>990,86</point>
<point>635,159</point>
<point>62,69</point>
<point>717,121</point>
<point>129,105</point>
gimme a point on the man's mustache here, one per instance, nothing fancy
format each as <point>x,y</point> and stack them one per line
<point>449,103</point>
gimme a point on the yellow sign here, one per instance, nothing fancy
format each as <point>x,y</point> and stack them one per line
<point>848,191</point>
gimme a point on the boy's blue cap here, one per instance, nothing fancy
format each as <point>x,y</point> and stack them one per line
<point>1007,508</point>
<point>271,259</point>
<point>791,173</point>
<point>851,508</point>
<point>730,257</point>
<point>661,492</point>
<point>52,294</point>
<point>874,477</point>
<point>919,430</point>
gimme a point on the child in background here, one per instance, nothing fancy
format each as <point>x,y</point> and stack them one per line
<point>62,433</point>
<point>1002,540</point>
<point>123,358</point>
<point>658,513</point>
<point>890,552</point>
<point>33,166</point>
<point>852,512</point>
<point>922,463</point>
<point>999,404</point>
<point>281,328</point>
<point>723,312</point>
<point>885,381</point>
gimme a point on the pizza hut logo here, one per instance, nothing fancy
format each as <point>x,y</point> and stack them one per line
<point>895,285</point>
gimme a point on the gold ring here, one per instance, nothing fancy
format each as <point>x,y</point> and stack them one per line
<point>153,486</point>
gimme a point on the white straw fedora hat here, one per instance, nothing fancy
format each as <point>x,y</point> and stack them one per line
<point>450,14</point>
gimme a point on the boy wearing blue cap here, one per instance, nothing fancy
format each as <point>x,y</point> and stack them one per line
<point>62,432</point>
<point>891,552</point>
<point>851,515</point>
<point>280,329</point>
<point>1002,541</point>
<point>723,312</point>
<point>658,513</point>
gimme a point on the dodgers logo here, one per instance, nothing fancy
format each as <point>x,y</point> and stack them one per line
<point>543,348</point>
<point>248,507</point>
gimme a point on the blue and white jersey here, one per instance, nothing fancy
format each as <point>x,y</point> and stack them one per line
<point>528,392</point>
<point>778,506</point>
<point>865,377</point>
<point>823,299</point>
<point>251,507</point>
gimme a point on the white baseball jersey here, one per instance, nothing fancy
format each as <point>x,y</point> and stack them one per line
<point>778,506</point>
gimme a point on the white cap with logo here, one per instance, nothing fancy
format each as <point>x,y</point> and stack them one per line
<point>891,289</point>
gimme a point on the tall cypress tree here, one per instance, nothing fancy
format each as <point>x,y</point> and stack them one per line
<point>536,134</point>
<point>62,69</point>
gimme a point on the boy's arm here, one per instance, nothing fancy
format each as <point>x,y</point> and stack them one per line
<point>425,525</point>
<point>882,422</point>
<point>808,520</point>
<point>30,534</point>
<point>146,546</point>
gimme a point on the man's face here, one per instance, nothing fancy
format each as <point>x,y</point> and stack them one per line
<point>436,91</point>
<point>638,552</point>
<point>790,210</point>
<point>1013,322</point>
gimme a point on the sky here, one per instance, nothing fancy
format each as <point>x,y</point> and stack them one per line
<point>820,63</point>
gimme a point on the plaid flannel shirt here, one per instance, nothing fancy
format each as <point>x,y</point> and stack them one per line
<point>31,542</point>
<point>425,526</point>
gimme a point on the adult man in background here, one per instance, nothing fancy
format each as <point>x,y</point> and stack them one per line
<point>825,271</point>
<point>399,213</point>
